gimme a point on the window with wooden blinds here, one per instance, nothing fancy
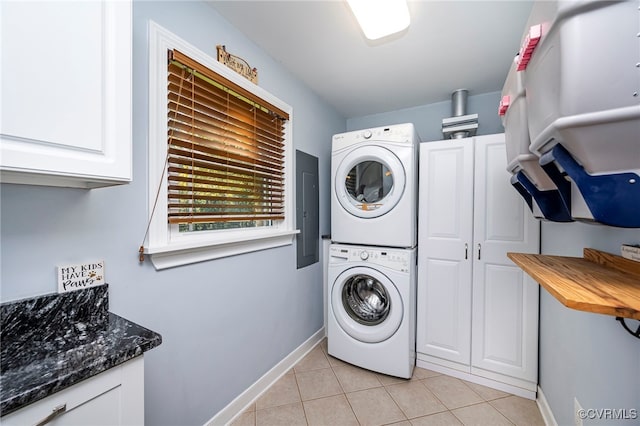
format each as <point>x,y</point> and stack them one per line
<point>226,156</point>
<point>220,171</point>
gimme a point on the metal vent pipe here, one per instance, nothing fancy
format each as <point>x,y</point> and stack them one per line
<point>460,124</point>
<point>459,102</point>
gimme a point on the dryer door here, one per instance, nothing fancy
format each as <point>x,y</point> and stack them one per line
<point>370,181</point>
<point>366,304</point>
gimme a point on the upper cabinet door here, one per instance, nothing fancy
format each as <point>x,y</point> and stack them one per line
<point>66,93</point>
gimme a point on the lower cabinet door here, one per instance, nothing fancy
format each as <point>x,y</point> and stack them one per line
<point>505,327</point>
<point>114,397</point>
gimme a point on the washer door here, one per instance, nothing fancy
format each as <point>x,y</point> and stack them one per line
<point>370,181</point>
<point>366,304</point>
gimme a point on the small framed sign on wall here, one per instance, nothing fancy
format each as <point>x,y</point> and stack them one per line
<point>80,276</point>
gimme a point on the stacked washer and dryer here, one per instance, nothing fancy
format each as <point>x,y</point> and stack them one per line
<point>371,271</point>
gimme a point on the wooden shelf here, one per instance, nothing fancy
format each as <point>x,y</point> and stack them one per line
<point>600,282</point>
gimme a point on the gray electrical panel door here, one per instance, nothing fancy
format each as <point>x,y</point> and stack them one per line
<point>307,209</point>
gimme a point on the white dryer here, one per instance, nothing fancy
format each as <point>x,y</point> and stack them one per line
<point>371,313</point>
<point>374,186</point>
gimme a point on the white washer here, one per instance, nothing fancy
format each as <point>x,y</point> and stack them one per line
<point>372,307</point>
<point>374,186</point>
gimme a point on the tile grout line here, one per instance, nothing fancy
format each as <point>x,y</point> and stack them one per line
<point>295,378</point>
<point>341,387</point>
<point>344,392</point>
<point>435,396</point>
<point>326,357</point>
<point>478,403</point>
<point>487,401</point>
<point>500,411</point>
<point>406,418</point>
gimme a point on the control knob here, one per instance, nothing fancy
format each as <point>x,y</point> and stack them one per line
<point>364,255</point>
<point>367,134</point>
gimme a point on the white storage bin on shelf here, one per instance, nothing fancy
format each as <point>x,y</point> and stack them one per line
<point>583,109</point>
<point>528,178</point>
<point>581,81</point>
<point>513,112</point>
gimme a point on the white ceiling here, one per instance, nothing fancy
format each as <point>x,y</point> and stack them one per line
<point>450,44</point>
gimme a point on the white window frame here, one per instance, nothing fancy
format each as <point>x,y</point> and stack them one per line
<point>165,245</point>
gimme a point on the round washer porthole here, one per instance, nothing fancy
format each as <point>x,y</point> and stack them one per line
<point>366,304</point>
<point>369,181</point>
<point>365,299</point>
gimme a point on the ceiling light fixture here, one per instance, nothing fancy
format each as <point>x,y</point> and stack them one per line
<point>380,18</point>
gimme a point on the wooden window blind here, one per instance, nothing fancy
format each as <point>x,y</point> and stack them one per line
<point>225,163</point>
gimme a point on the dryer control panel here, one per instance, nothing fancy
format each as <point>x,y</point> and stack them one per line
<point>399,260</point>
<point>401,133</point>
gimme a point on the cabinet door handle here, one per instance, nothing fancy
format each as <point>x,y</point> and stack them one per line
<point>479,251</point>
<point>60,409</point>
<point>466,251</point>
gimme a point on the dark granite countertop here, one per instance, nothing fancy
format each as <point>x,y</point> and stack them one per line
<point>52,342</point>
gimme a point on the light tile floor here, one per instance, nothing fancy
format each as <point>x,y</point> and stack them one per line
<point>322,390</point>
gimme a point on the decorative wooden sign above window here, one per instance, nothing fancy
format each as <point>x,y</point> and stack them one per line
<point>237,64</point>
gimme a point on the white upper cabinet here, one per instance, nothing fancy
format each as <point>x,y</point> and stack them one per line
<point>66,93</point>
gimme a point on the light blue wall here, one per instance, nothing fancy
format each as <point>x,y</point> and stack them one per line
<point>224,323</point>
<point>428,118</point>
<point>584,355</point>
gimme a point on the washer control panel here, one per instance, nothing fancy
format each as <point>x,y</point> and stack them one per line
<point>399,260</point>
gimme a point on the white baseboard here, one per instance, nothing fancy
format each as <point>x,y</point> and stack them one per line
<point>253,392</point>
<point>505,387</point>
<point>545,409</point>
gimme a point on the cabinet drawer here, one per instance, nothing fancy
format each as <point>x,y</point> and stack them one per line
<point>115,397</point>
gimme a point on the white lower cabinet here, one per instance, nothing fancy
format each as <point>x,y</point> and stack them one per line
<point>114,397</point>
<point>477,312</point>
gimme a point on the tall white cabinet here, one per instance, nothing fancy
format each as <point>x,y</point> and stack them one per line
<point>66,92</point>
<point>477,312</point>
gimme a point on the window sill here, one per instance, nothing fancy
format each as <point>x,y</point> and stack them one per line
<point>178,255</point>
